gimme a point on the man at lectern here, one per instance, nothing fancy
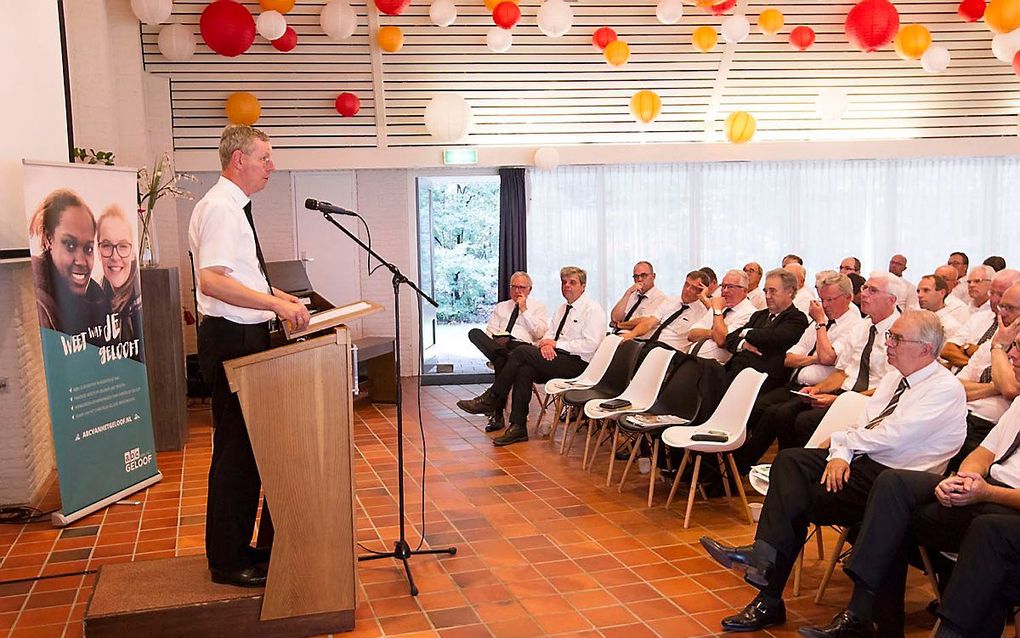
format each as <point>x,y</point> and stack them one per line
<point>237,304</point>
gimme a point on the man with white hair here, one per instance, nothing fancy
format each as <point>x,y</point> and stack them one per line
<point>730,310</point>
<point>959,309</point>
<point>802,300</point>
<point>982,324</point>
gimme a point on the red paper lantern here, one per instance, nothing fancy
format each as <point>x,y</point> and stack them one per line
<point>723,7</point>
<point>392,7</point>
<point>227,27</point>
<point>972,10</point>
<point>506,14</point>
<point>802,38</point>
<point>602,37</point>
<point>287,41</point>
<point>872,24</point>
<point>347,104</point>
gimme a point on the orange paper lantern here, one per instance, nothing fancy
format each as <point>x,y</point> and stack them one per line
<point>390,39</point>
<point>283,6</point>
<point>740,127</point>
<point>770,21</point>
<point>243,108</point>
<point>616,53</point>
<point>645,106</point>
<point>912,41</point>
<point>704,38</point>
<point>1002,16</point>
<point>491,4</point>
<point>802,38</point>
<point>602,37</point>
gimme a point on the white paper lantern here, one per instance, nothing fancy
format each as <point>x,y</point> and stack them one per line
<point>338,19</point>
<point>152,11</point>
<point>669,11</point>
<point>176,42</point>
<point>935,59</point>
<point>547,158</point>
<point>448,118</point>
<point>735,28</point>
<point>442,12</point>
<point>555,17</point>
<point>831,104</point>
<point>271,25</point>
<point>498,39</point>
<point>1005,45</point>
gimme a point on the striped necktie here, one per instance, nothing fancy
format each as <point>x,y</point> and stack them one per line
<point>900,389</point>
<point>814,348</point>
<point>988,333</point>
<point>701,344</point>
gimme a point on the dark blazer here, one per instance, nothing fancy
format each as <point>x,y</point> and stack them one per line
<point>773,339</point>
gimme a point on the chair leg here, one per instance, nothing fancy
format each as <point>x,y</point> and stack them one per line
<point>690,495</point>
<point>571,431</point>
<point>581,419</point>
<point>612,455</point>
<point>740,487</point>
<point>798,567</point>
<point>831,567</point>
<point>601,437</point>
<point>935,629</point>
<point>598,436</point>
<point>653,469</point>
<point>676,479</point>
<point>557,408</point>
<point>722,475</point>
<point>626,468</point>
<point>820,542</point>
<point>930,571</point>
<point>587,443</point>
<point>543,404</point>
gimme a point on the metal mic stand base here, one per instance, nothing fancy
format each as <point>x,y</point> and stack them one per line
<point>402,551</point>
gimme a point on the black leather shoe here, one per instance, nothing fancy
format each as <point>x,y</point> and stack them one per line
<point>757,615</point>
<point>514,434</point>
<point>247,577</point>
<point>482,404</point>
<point>495,422</point>
<point>845,624</point>
<point>260,555</point>
<point>743,558</point>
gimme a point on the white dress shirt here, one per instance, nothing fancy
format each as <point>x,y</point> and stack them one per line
<point>675,334</point>
<point>998,443</point>
<point>802,300</point>
<point>924,431</point>
<point>584,329</point>
<point>736,317</point>
<point>960,292</point>
<point>653,299</point>
<point>989,408</point>
<point>839,335</point>
<point>531,325</point>
<point>757,297</point>
<point>219,235</point>
<point>850,359</point>
<point>959,309</point>
<point>972,331</point>
<point>950,325</point>
<point>907,300</point>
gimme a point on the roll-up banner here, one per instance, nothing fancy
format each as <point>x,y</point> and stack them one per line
<point>83,238</point>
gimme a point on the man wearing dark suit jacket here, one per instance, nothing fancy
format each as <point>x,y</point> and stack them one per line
<point>762,342</point>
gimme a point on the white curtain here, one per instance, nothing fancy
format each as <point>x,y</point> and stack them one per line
<point>684,216</point>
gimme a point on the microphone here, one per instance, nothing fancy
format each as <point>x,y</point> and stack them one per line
<point>326,207</point>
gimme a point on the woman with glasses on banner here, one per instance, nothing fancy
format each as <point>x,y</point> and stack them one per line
<point>120,275</point>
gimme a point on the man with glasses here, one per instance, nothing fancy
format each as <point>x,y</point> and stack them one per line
<point>850,265</point>
<point>729,310</point>
<point>754,272</point>
<point>639,300</point>
<point>515,321</point>
<point>914,420</point>
<point>961,263</point>
<point>981,325</point>
<point>673,319</point>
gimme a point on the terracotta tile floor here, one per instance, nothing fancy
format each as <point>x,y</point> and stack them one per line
<point>543,548</point>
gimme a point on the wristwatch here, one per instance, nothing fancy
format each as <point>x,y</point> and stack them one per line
<point>819,326</point>
<point>717,312</point>
<point>997,346</point>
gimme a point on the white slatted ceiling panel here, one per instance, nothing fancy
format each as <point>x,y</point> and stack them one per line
<point>556,91</point>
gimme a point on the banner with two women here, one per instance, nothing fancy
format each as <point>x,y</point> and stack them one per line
<point>83,237</point>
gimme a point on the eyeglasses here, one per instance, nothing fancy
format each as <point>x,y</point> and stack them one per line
<point>123,249</point>
<point>514,287</point>
<point>1008,307</point>
<point>977,281</point>
<point>875,290</point>
<point>732,287</point>
<point>266,160</point>
<point>898,339</point>
<point>638,276</point>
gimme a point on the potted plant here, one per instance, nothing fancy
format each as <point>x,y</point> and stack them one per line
<point>160,181</point>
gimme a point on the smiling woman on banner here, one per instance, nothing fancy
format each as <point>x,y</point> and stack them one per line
<point>120,273</point>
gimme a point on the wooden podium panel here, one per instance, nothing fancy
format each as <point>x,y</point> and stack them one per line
<point>298,407</point>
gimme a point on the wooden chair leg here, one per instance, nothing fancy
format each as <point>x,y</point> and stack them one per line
<point>740,488</point>
<point>567,443</point>
<point>690,495</point>
<point>930,571</point>
<point>587,443</point>
<point>796,572</point>
<point>820,542</point>
<point>676,479</point>
<point>935,629</point>
<point>612,455</point>
<point>653,469</point>
<point>626,468</point>
<point>581,420</point>
<point>722,475</point>
<point>557,409</point>
<point>831,567</point>
<point>597,434</point>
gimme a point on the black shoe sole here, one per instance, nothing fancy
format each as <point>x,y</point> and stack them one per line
<point>764,625</point>
<point>754,576</point>
<point>495,427</point>
<point>481,409</point>
<point>502,442</point>
<point>226,580</point>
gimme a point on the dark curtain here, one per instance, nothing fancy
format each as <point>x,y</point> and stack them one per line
<point>513,235</point>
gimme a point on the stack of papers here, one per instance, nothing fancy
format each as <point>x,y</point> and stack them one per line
<point>657,419</point>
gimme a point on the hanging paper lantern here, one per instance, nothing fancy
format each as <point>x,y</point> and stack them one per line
<point>704,38</point>
<point>555,17</point>
<point>935,59</point>
<point>912,41</point>
<point>491,4</point>
<point>176,42</point>
<point>152,12</point>
<point>1016,63</point>
<point>739,127</point>
<point>721,7</point>
<point>645,106</point>
<point>271,25</point>
<point>506,14</point>
<point>602,37</point>
<point>770,21</point>
<point>616,53</point>
<point>392,7</point>
<point>347,104</point>
<point>227,27</point>
<point>872,24</point>
<point>832,103</point>
<point>547,158</point>
<point>448,118</point>
<point>801,38</point>
<point>735,29</point>
<point>1005,45</point>
<point>498,40</point>
<point>442,13</point>
<point>669,11</point>
<point>282,6</point>
<point>287,41</point>
<point>338,19</point>
<point>390,39</point>
<point>971,10</point>
<point>1002,16</point>
<point>243,108</point>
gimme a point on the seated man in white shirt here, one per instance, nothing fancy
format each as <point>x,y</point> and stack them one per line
<point>730,310</point>
<point>931,295</point>
<point>850,265</point>
<point>639,300</point>
<point>982,324</point>
<point>898,264</point>
<point>575,331</point>
<point>959,309</point>
<point>754,274</point>
<point>914,421</point>
<point>802,300</point>
<point>961,262</point>
<point>713,281</point>
<point>672,320</point>
<point>516,321</point>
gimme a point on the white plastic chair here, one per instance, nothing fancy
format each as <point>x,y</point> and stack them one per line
<point>730,416</point>
<point>592,375</point>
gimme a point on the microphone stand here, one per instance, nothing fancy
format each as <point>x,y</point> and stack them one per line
<point>401,550</point>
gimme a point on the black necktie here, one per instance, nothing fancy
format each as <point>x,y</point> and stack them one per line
<point>891,406</point>
<point>772,317</point>
<point>986,375</point>
<point>563,322</point>
<point>1010,451</point>
<point>258,248</point>
<point>814,348</point>
<point>988,333</point>
<point>701,344</point>
<point>630,313</point>
<point>670,319</point>
<point>864,372</point>
<point>513,318</point>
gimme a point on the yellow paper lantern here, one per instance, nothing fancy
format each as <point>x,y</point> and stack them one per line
<point>390,39</point>
<point>491,4</point>
<point>912,41</point>
<point>740,127</point>
<point>283,6</point>
<point>616,53</point>
<point>770,21</point>
<point>1003,16</point>
<point>243,108</point>
<point>704,38</point>
<point>645,106</point>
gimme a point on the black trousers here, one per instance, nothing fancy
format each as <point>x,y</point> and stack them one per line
<point>790,421</point>
<point>796,499</point>
<point>525,366</point>
<point>497,351</point>
<point>234,482</point>
<point>977,430</point>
